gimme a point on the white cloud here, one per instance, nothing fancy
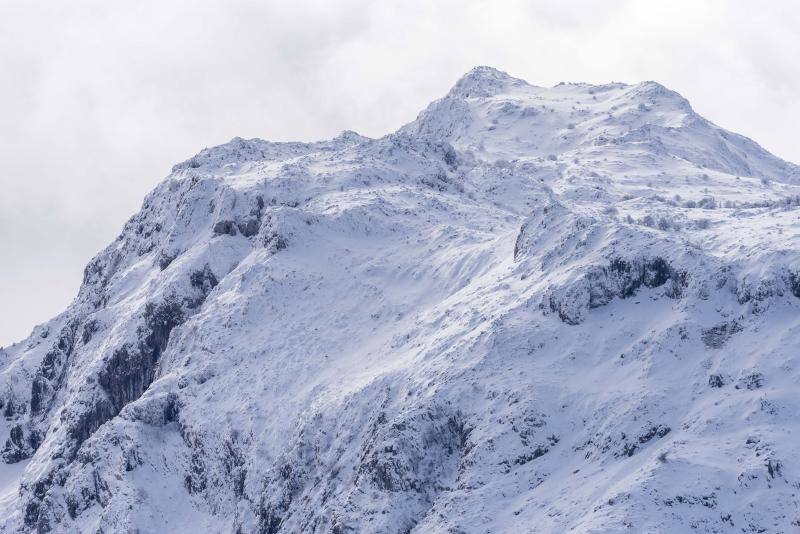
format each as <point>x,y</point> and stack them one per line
<point>99,99</point>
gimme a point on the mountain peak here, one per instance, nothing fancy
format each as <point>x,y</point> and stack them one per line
<point>651,90</point>
<point>349,137</point>
<point>484,81</point>
<point>493,115</point>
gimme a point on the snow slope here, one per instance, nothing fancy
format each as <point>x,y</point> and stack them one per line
<point>529,310</point>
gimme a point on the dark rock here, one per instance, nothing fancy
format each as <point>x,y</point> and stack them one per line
<point>50,375</point>
<point>653,432</point>
<point>204,279</point>
<point>275,242</point>
<point>537,452</point>
<point>716,336</point>
<point>90,327</point>
<point>171,409</point>
<point>630,275</point>
<point>131,370</point>
<point>269,522</point>
<point>87,422</point>
<point>10,410</point>
<point>449,155</point>
<point>716,381</point>
<point>249,228</point>
<point>520,241</point>
<point>621,278</point>
<point>125,377</point>
<point>438,181</point>
<point>165,259</point>
<point>225,228</point>
<point>32,512</point>
<point>40,391</point>
<point>20,444</point>
<point>751,381</point>
<point>658,431</point>
<point>774,469</point>
<point>794,284</point>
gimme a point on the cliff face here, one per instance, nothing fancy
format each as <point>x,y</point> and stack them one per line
<point>529,310</point>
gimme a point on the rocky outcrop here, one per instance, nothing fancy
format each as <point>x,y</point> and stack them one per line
<point>620,278</point>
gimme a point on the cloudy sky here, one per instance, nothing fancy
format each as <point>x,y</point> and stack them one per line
<point>98,99</point>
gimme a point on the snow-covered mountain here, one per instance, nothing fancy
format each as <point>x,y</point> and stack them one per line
<point>529,310</point>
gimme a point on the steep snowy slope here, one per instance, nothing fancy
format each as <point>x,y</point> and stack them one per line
<point>529,310</point>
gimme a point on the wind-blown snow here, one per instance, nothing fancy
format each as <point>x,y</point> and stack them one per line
<point>529,310</point>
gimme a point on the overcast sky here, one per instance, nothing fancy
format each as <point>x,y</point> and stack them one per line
<point>99,99</point>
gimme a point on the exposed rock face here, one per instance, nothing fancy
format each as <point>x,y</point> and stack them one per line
<point>131,370</point>
<point>531,309</point>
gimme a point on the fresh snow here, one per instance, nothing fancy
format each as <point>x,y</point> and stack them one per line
<point>529,310</point>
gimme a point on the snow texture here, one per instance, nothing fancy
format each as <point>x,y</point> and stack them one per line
<point>566,309</point>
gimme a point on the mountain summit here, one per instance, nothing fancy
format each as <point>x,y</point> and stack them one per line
<point>529,310</point>
<point>484,82</point>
